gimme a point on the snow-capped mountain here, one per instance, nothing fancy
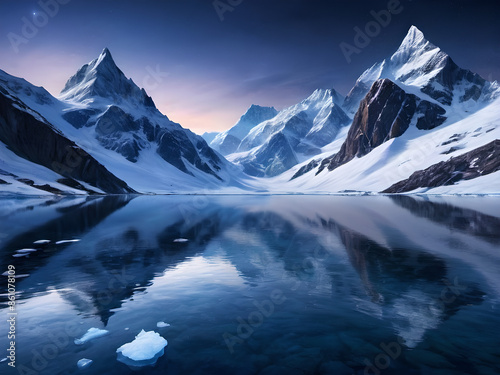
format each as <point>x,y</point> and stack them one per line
<point>35,157</point>
<point>117,124</point>
<point>293,135</point>
<point>228,141</point>
<point>400,136</point>
<point>421,68</point>
<point>414,123</point>
<point>124,119</point>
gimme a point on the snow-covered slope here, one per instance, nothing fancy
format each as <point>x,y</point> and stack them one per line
<point>421,68</point>
<point>398,158</point>
<point>228,141</point>
<point>295,134</point>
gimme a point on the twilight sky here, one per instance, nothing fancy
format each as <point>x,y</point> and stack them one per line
<point>204,72</point>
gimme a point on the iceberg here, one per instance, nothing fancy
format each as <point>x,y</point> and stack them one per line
<point>162,325</point>
<point>41,242</point>
<point>65,241</point>
<point>91,334</point>
<point>25,251</point>
<point>144,350</point>
<point>84,363</point>
<point>181,240</point>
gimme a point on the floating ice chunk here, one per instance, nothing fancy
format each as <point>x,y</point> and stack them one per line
<point>20,255</point>
<point>25,251</point>
<point>162,325</point>
<point>84,363</point>
<point>126,328</point>
<point>3,359</point>
<point>181,240</point>
<point>91,334</point>
<point>21,276</point>
<point>145,350</point>
<point>41,242</point>
<point>66,241</point>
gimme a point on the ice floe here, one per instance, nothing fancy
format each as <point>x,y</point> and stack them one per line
<point>144,350</point>
<point>162,325</point>
<point>66,241</point>
<point>181,240</point>
<point>84,363</point>
<point>41,242</point>
<point>91,334</point>
<point>25,251</point>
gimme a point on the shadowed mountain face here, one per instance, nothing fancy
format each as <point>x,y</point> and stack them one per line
<point>385,113</point>
<point>30,136</point>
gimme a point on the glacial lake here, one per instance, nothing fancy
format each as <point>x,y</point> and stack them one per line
<point>255,284</point>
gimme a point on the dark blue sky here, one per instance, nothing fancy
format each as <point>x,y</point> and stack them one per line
<point>268,52</point>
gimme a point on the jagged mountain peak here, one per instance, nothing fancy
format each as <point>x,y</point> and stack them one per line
<point>424,69</point>
<point>415,45</point>
<point>101,78</point>
<point>414,38</point>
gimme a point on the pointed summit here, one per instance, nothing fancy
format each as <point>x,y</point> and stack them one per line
<point>101,78</point>
<point>413,45</point>
<point>414,37</point>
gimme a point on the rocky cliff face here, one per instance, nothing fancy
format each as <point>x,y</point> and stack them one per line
<point>31,137</point>
<point>479,162</point>
<point>386,112</point>
<point>125,119</point>
<point>296,133</point>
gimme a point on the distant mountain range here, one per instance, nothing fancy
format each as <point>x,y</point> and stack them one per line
<point>413,122</point>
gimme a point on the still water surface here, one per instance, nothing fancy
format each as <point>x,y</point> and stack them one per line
<point>263,285</point>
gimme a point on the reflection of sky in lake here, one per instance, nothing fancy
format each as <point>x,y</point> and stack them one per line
<point>304,284</point>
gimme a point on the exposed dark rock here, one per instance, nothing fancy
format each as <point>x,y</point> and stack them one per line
<point>306,168</point>
<point>31,137</point>
<point>479,162</point>
<point>80,118</point>
<point>115,120</point>
<point>385,113</point>
<point>174,146</point>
